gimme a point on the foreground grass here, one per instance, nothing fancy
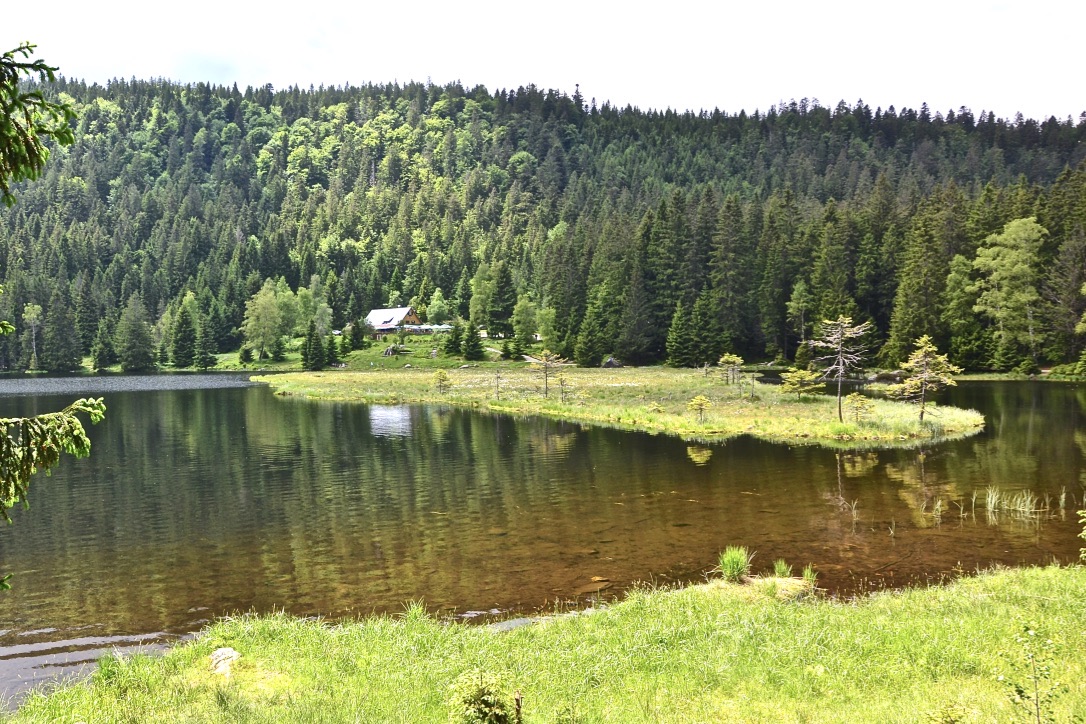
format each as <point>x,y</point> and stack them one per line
<point>720,652</point>
<point>653,399</point>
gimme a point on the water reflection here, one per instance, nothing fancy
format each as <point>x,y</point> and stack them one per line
<point>390,420</point>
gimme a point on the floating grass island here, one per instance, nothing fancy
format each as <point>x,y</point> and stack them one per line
<point>761,650</point>
<point>651,399</point>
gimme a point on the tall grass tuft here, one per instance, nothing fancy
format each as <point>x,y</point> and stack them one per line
<point>781,569</point>
<point>809,574</point>
<point>735,563</point>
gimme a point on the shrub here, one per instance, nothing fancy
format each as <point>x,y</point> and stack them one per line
<point>477,698</point>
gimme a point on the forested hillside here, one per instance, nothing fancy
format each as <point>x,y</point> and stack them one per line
<point>733,232</point>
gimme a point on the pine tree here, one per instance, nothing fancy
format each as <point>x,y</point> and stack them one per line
<point>970,342</point>
<point>331,352</point>
<point>183,339</point>
<point>312,352</point>
<point>635,339</point>
<point>597,334</point>
<point>705,332</point>
<point>132,339</point>
<point>842,341</point>
<point>454,340</point>
<point>729,271</point>
<point>102,351</point>
<point>680,339</point>
<point>832,273</point>
<point>928,372</point>
<point>472,346</point>
<point>919,292</point>
<point>502,302</point>
<point>203,355</point>
<point>86,316</point>
<point>61,347</point>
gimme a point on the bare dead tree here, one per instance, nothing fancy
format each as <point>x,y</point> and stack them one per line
<point>842,341</point>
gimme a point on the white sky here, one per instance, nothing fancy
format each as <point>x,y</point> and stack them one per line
<point>1004,57</point>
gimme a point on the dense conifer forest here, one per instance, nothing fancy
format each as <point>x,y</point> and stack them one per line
<point>651,235</point>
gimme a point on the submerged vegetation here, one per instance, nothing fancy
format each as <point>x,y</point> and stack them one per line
<point>651,399</point>
<point>763,651</point>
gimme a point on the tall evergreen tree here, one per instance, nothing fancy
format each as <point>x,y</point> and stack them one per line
<point>597,335</point>
<point>61,347</point>
<point>472,346</point>
<point>132,339</point>
<point>203,354</point>
<point>680,339</point>
<point>102,350</point>
<point>730,272</point>
<point>183,339</point>
<point>705,333</point>
<point>454,340</point>
<point>920,289</point>
<point>502,302</point>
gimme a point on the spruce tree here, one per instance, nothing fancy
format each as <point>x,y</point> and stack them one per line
<point>132,339</point>
<point>635,339</point>
<point>454,340</point>
<point>705,331</point>
<point>472,346</point>
<point>680,339</point>
<point>102,350</point>
<point>183,340</point>
<point>203,356</point>
<point>86,315</point>
<point>597,335</point>
<point>331,352</point>
<point>502,302</point>
<point>308,342</point>
<point>61,348</point>
<point>278,350</point>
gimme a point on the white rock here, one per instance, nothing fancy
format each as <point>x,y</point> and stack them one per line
<point>221,659</point>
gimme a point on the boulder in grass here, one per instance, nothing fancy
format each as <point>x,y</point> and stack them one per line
<point>221,660</point>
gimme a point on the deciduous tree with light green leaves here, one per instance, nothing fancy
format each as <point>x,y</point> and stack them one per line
<point>928,372</point>
<point>1007,288</point>
<point>263,321</point>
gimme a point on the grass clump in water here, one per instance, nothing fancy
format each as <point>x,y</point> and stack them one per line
<point>781,569</point>
<point>735,563</point>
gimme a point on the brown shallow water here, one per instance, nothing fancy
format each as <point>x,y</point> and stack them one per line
<point>201,502</point>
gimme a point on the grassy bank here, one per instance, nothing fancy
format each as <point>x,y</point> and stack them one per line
<point>719,652</point>
<point>653,399</point>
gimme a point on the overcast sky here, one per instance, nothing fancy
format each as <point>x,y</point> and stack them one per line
<point>1004,57</point>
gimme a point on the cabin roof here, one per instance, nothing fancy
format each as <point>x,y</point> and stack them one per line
<point>378,318</point>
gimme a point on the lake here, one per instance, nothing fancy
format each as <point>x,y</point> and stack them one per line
<point>205,495</point>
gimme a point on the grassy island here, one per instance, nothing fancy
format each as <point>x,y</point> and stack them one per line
<point>653,399</point>
<point>762,650</point>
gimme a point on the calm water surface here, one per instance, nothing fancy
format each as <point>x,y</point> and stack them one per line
<point>198,502</point>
